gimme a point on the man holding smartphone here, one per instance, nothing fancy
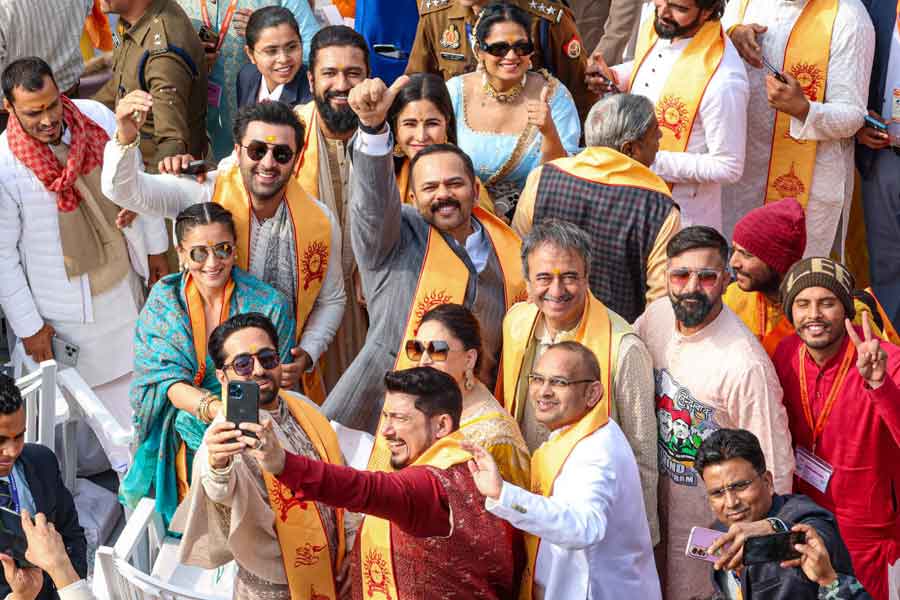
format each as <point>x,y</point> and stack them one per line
<point>804,108</point>
<point>743,499</point>
<point>237,511</point>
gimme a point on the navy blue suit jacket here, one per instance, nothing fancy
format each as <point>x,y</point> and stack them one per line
<point>249,79</point>
<point>53,499</point>
<point>884,16</point>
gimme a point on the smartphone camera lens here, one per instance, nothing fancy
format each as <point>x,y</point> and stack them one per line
<point>235,392</point>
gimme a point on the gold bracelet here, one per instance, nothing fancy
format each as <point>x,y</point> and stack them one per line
<point>203,408</point>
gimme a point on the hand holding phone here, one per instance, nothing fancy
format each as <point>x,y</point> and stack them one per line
<point>775,72</point>
<point>196,167</point>
<point>775,547</point>
<point>876,124</point>
<point>699,542</point>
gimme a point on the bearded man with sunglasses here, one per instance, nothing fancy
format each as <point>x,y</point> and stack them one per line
<point>556,260</point>
<point>285,237</point>
<point>236,510</point>
<point>710,372</point>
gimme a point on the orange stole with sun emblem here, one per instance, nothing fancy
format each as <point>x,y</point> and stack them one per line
<point>379,581</point>
<point>298,524</point>
<point>791,162</point>
<point>443,280</point>
<point>679,101</point>
<point>307,170</point>
<point>312,241</point>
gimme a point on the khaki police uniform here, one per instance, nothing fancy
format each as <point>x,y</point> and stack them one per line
<point>442,44</point>
<point>161,54</point>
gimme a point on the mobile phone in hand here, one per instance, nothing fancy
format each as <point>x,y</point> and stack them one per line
<point>775,72</point>
<point>699,542</point>
<point>242,403</point>
<point>876,124</point>
<point>776,547</point>
<point>195,167</point>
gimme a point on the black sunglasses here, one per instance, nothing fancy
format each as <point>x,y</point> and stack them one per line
<point>243,363</point>
<point>501,49</point>
<point>437,350</point>
<point>222,251</point>
<point>257,150</point>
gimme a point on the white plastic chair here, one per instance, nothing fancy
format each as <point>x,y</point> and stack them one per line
<point>38,389</point>
<point>124,571</point>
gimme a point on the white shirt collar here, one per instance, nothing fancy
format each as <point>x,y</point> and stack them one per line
<point>265,94</point>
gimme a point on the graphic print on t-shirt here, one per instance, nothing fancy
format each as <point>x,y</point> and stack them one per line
<point>683,423</point>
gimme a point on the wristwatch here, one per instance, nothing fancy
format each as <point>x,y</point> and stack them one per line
<point>778,525</point>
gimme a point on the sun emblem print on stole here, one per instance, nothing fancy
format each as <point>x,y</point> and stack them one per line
<point>809,77</point>
<point>672,114</point>
<point>375,570</point>
<point>432,299</point>
<point>789,185</point>
<point>314,263</point>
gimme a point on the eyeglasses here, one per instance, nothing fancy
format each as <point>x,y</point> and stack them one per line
<point>256,150</point>
<point>737,487</point>
<point>438,350</point>
<point>557,383</point>
<point>243,363</point>
<point>501,49</point>
<point>707,278</point>
<point>286,50</point>
<point>222,251</point>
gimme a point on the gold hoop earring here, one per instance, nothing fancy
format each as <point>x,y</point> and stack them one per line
<point>398,151</point>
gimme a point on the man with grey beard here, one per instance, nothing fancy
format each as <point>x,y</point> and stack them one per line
<point>710,373</point>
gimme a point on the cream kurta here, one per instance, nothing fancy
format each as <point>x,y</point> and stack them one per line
<point>832,123</point>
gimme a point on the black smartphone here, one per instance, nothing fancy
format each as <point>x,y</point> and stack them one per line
<point>13,542</point>
<point>195,167</point>
<point>776,547</point>
<point>242,403</point>
<point>876,124</point>
<point>772,68</point>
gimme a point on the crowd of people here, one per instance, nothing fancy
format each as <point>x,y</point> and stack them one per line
<point>585,278</point>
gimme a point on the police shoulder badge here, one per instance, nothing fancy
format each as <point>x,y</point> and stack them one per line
<point>451,37</point>
<point>573,47</point>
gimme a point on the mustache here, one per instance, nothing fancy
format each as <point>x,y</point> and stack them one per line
<point>436,206</point>
<point>329,95</point>
<point>564,298</point>
<point>824,324</point>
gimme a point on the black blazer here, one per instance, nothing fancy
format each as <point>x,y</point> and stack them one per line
<point>53,499</point>
<point>296,91</point>
<point>769,581</point>
<point>884,16</point>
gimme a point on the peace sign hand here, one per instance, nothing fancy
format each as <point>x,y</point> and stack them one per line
<point>871,360</point>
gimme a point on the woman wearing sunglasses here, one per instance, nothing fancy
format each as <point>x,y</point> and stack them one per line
<point>449,339</point>
<point>510,119</point>
<point>420,116</point>
<point>175,393</point>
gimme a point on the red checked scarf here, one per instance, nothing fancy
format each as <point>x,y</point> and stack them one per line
<point>85,154</point>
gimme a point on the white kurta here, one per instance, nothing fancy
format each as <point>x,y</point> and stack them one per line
<point>715,150</point>
<point>832,123</point>
<point>595,541</point>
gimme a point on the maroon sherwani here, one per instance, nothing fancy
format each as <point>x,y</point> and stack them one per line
<point>444,543</point>
<point>861,441</point>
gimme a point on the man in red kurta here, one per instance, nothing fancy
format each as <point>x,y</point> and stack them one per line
<point>843,403</point>
<point>426,533</point>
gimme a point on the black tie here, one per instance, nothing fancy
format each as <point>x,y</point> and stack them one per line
<point>6,499</point>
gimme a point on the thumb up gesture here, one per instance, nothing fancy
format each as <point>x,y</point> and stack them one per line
<point>539,112</point>
<point>371,100</point>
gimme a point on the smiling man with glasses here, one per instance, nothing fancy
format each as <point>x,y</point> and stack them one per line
<point>285,237</point>
<point>742,497</point>
<point>556,260</point>
<point>244,509</point>
<point>586,529</point>
<point>710,372</point>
